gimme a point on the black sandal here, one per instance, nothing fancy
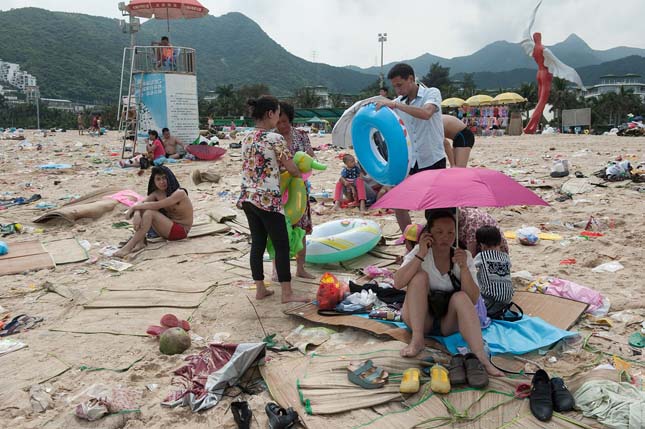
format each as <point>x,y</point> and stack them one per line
<point>279,418</point>
<point>241,414</point>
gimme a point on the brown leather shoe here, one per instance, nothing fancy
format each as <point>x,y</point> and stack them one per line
<point>475,372</point>
<point>456,370</point>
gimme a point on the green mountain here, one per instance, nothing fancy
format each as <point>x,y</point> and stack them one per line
<point>79,56</point>
<point>503,56</point>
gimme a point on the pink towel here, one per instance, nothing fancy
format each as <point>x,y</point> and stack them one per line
<point>127,197</point>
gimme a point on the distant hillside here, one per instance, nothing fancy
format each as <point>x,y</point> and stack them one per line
<point>590,75</point>
<point>79,56</point>
<point>503,56</point>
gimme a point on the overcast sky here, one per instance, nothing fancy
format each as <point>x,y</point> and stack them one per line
<point>343,32</point>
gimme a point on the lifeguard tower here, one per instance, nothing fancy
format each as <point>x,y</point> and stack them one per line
<point>158,83</point>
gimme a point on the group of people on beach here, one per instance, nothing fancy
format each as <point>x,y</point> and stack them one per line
<point>441,276</point>
<point>96,124</point>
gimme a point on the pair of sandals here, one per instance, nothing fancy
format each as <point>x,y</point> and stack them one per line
<point>467,369</point>
<point>279,418</point>
<point>19,324</point>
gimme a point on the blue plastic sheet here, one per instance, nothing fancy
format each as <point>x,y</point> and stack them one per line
<point>523,336</point>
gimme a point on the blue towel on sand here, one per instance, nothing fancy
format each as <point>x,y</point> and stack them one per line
<point>523,336</point>
<point>52,166</point>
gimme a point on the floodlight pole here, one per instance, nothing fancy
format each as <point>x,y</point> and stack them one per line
<point>37,110</point>
<point>382,38</point>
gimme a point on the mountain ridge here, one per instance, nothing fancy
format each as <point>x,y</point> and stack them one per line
<point>501,56</point>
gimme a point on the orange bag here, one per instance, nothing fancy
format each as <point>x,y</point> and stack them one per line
<point>329,292</point>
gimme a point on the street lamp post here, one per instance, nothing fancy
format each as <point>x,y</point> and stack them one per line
<point>382,38</point>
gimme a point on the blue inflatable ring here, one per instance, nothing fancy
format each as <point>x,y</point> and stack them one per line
<point>387,122</point>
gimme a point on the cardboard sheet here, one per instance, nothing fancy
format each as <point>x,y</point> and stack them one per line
<point>118,321</point>
<point>309,312</point>
<point>22,369</point>
<point>66,251</point>
<point>210,228</point>
<point>202,245</point>
<point>146,299</point>
<point>25,256</point>
<point>559,312</point>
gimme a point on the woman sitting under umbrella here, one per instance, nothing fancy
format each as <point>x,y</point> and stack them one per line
<point>442,290</point>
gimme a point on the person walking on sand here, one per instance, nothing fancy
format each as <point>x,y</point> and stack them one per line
<point>80,121</point>
<point>462,138</point>
<point>167,209</point>
<point>264,152</point>
<point>420,110</point>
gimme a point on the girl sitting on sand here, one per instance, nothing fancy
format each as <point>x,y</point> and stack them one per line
<point>167,209</point>
<point>264,152</point>
<point>154,150</point>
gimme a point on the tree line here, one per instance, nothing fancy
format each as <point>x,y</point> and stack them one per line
<point>606,110</point>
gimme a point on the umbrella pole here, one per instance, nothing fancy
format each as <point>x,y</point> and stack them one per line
<point>168,20</point>
<point>457,228</point>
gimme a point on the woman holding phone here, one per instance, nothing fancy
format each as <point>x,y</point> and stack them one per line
<point>442,290</point>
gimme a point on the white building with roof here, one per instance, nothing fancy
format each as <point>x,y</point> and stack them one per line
<point>613,83</point>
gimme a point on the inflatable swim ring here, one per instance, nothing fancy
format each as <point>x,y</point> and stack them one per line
<point>295,203</point>
<point>340,240</point>
<point>397,140</point>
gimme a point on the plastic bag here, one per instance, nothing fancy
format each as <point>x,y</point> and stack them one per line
<point>366,298</point>
<point>329,292</point>
<point>528,236</point>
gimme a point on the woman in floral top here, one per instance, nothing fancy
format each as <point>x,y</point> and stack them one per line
<point>297,141</point>
<point>264,152</point>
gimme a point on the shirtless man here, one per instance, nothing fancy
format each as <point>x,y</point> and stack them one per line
<point>462,141</point>
<point>167,209</point>
<point>80,120</point>
<point>171,143</point>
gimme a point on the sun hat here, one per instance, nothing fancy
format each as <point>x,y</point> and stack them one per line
<point>412,232</point>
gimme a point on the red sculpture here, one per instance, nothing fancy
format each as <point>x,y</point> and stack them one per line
<point>544,78</point>
<point>548,66</point>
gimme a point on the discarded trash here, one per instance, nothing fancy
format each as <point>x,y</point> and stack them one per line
<point>8,345</point>
<point>608,267</point>
<point>302,337</point>
<point>528,236</point>
<point>39,396</point>
<point>114,265</point>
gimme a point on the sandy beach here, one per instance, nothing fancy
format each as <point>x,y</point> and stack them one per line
<point>58,295</point>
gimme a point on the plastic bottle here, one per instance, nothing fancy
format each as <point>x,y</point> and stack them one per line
<point>4,248</point>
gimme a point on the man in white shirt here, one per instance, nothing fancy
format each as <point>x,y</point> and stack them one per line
<point>420,110</point>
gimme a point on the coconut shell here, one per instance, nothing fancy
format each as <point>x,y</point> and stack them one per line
<point>174,341</point>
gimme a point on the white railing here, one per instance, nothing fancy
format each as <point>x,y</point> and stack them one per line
<point>163,59</point>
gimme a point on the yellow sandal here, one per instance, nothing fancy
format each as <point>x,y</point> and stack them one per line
<point>410,381</point>
<point>439,383</point>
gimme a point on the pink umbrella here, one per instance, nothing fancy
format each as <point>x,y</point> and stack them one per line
<point>458,187</point>
<point>167,10</point>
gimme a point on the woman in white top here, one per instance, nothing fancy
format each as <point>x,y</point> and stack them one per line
<point>433,267</point>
